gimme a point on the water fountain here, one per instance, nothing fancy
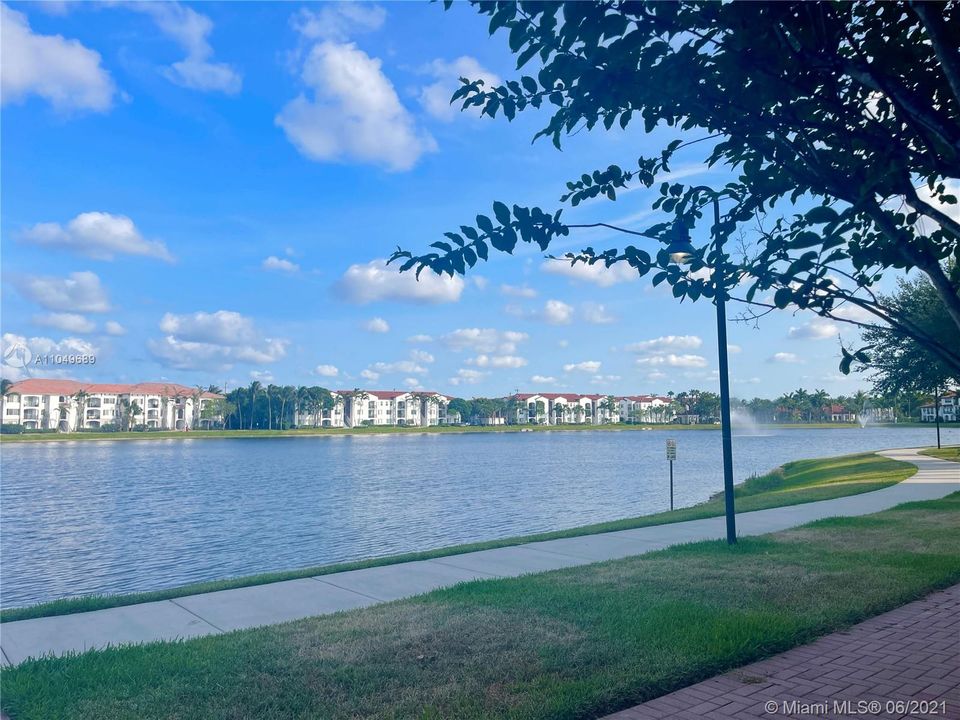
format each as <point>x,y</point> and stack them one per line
<point>866,415</point>
<point>743,424</point>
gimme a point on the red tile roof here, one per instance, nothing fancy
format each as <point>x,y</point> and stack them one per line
<point>41,386</point>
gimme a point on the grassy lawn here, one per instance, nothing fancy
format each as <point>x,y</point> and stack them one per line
<point>792,484</point>
<point>571,643</point>
<point>377,430</point>
<point>947,453</point>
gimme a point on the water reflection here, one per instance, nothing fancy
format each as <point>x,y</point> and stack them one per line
<point>106,517</point>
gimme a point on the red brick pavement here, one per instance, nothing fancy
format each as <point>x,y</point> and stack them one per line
<point>909,654</point>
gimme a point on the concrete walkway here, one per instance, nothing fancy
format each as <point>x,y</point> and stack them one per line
<point>248,607</point>
<point>902,664</point>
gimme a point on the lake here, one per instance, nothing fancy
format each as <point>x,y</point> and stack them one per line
<point>115,517</point>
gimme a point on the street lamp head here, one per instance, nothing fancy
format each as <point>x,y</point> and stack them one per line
<point>680,249</point>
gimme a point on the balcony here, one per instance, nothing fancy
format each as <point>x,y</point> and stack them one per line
<point>31,401</point>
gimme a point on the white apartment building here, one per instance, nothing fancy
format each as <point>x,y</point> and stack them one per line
<point>573,408</point>
<point>359,408</point>
<point>68,405</point>
<point>949,409</point>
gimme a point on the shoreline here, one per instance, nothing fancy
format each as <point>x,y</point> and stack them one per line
<point>30,438</point>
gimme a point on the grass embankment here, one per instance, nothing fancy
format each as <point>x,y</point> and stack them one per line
<point>794,483</point>
<point>571,643</point>
<point>946,453</point>
<point>380,430</point>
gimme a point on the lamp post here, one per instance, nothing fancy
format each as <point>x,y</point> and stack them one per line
<point>681,252</point>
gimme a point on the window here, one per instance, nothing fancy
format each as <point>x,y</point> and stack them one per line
<point>31,401</point>
<point>372,409</point>
<point>109,401</point>
<point>12,411</point>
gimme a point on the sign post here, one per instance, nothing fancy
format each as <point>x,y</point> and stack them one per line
<point>671,456</point>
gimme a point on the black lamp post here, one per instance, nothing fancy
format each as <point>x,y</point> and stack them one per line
<point>681,252</point>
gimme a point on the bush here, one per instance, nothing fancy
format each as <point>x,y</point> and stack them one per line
<point>11,429</point>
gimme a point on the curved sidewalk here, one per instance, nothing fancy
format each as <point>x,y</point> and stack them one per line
<point>226,610</point>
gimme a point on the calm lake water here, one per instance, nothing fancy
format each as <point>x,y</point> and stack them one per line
<point>113,517</point>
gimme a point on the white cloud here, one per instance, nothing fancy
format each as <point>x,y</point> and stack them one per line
<point>413,383</point>
<point>734,349</point>
<point>63,72</point>
<point>666,343</point>
<point>326,371</point>
<point>420,339</point>
<point>480,281</point>
<point>281,264</point>
<point>596,313</point>
<point>79,292</point>
<point>375,281</point>
<point>817,329</point>
<point>557,312</point>
<point>223,327</point>
<point>467,377</point>
<point>784,357</point>
<point>37,346</point>
<point>68,322</point>
<point>263,376</point>
<point>590,366</point>
<point>190,30</point>
<point>421,356</point>
<point>353,112</point>
<point>408,367</point>
<point>598,274</point>
<point>112,327</point>
<point>497,361</point>
<point>543,379</point>
<point>338,20</point>
<point>377,325</point>
<point>855,313</point>
<point>98,235</point>
<point>369,375</point>
<point>656,375</point>
<point>435,97</point>
<point>213,341</point>
<point>673,360</point>
<point>521,291</point>
<point>604,379</point>
<point>484,340</point>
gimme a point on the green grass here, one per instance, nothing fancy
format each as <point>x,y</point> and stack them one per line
<point>946,453</point>
<point>571,643</point>
<point>375,430</point>
<point>794,483</point>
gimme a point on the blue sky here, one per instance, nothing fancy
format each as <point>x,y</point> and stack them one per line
<point>206,194</point>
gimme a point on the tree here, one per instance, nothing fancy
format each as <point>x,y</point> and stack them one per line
<point>255,387</point>
<point>898,362</point>
<point>80,397</point>
<point>5,385</point>
<point>853,108</point>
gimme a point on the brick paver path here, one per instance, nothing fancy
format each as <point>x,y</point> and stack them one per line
<point>909,654</point>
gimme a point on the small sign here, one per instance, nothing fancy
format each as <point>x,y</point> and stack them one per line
<point>671,449</point>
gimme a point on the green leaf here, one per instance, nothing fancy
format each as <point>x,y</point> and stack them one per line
<point>502,212</point>
<point>782,297</point>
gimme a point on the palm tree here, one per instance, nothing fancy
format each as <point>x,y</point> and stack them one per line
<point>80,398</point>
<point>819,400</point>
<point>255,387</point>
<point>5,386</point>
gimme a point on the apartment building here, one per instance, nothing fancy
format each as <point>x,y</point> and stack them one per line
<point>949,409</point>
<point>574,408</point>
<point>68,405</point>
<point>359,408</point>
